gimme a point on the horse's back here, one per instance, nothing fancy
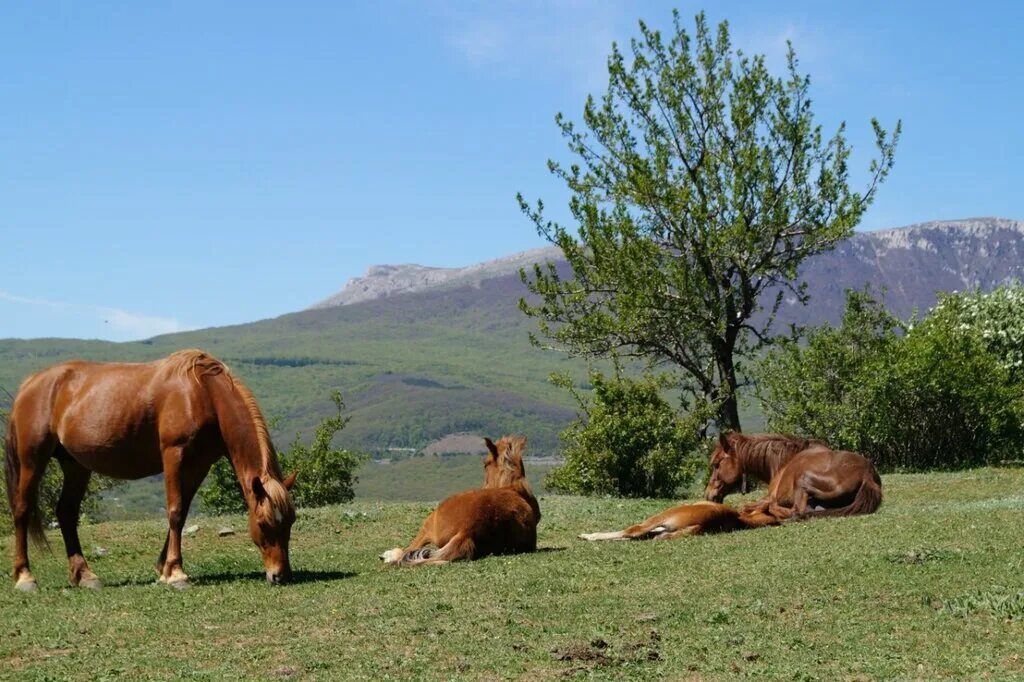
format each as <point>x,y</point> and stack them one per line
<point>111,417</point>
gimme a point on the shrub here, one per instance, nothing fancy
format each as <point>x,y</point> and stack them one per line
<point>326,474</point>
<point>937,396</point>
<point>628,441</point>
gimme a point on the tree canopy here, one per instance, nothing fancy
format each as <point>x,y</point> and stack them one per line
<point>700,184</point>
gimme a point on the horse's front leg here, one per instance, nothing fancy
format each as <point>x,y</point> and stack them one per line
<point>180,484</point>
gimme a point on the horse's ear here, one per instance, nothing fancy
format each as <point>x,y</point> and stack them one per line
<point>723,440</point>
<point>258,491</point>
<point>491,448</point>
<point>290,481</point>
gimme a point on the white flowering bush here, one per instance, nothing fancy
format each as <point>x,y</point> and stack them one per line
<point>998,317</point>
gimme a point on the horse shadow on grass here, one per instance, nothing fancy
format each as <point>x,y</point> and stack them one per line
<point>201,579</point>
<point>300,577</point>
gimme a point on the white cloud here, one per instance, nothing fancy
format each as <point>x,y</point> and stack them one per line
<point>123,325</point>
<point>570,39</point>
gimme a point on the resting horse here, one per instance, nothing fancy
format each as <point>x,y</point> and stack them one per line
<point>821,482</point>
<point>806,478</point>
<point>695,518</point>
<point>178,416</point>
<point>758,455</point>
<point>500,518</point>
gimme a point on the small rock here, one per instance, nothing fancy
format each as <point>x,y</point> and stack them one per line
<point>225,531</point>
<point>100,551</point>
<point>191,530</point>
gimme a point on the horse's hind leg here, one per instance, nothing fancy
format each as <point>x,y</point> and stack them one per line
<point>422,539</point>
<point>69,507</point>
<point>458,548</point>
<point>695,529</point>
<point>32,457</point>
<point>659,523</point>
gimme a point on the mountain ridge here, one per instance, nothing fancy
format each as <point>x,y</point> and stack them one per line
<point>385,280</point>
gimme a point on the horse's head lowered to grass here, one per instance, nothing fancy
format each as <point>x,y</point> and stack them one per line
<point>271,515</point>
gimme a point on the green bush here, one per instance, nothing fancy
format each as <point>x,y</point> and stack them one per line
<point>932,395</point>
<point>326,474</point>
<point>628,441</point>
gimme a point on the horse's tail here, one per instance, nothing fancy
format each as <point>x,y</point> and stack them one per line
<point>12,467</point>
<point>866,501</point>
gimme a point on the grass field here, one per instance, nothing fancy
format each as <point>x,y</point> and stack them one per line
<point>930,587</point>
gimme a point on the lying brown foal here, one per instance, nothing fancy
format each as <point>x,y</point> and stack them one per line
<point>688,519</point>
<point>500,518</point>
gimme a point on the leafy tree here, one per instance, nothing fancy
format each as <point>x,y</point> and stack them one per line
<point>934,397</point>
<point>326,474</point>
<point>701,184</point>
<point>628,441</point>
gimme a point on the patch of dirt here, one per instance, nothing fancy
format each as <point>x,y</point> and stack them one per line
<point>600,653</point>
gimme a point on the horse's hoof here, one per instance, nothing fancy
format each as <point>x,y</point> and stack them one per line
<point>180,584</point>
<point>392,556</point>
<point>90,583</point>
<point>26,586</point>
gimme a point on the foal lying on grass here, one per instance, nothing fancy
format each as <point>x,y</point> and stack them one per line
<point>688,519</point>
<point>500,518</point>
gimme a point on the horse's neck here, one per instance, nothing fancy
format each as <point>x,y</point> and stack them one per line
<point>238,431</point>
<point>524,491</point>
<point>761,463</point>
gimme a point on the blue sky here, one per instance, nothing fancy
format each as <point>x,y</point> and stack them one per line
<point>168,166</point>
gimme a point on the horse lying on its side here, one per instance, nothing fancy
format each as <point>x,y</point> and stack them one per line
<point>688,519</point>
<point>500,518</point>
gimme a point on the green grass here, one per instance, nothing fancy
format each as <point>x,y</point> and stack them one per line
<point>927,588</point>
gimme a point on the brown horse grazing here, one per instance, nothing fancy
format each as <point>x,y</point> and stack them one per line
<point>759,455</point>
<point>128,420</point>
<point>688,519</point>
<point>500,518</point>
<point>822,482</point>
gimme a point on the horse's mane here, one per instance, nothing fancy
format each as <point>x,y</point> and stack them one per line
<point>763,454</point>
<point>198,364</point>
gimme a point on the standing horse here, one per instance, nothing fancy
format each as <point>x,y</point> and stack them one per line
<point>759,455</point>
<point>500,518</point>
<point>822,482</point>
<point>178,416</point>
<point>696,518</point>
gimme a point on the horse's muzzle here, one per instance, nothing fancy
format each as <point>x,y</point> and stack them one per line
<point>279,577</point>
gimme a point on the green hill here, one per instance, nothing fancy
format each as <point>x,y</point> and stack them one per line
<point>928,588</point>
<point>411,368</point>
